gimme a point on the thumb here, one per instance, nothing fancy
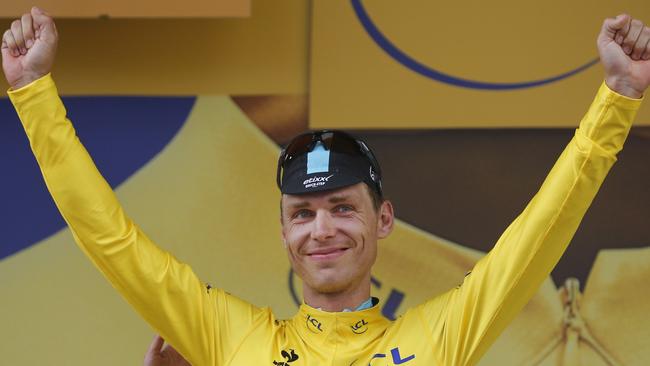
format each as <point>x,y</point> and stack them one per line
<point>38,12</point>
<point>42,20</point>
<point>156,345</point>
<point>612,26</point>
<point>619,22</point>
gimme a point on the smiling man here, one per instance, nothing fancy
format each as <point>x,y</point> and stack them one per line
<point>330,240</point>
<point>333,214</point>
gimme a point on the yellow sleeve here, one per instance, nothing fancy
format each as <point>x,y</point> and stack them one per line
<point>204,324</point>
<point>467,320</point>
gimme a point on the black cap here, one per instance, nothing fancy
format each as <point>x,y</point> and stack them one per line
<point>330,160</point>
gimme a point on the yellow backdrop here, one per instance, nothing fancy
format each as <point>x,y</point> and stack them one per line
<point>359,82</point>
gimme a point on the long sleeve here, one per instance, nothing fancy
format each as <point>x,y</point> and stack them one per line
<point>465,321</point>
<point>201,323</point>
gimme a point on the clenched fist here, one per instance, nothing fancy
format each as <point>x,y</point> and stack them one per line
<point>623,44</point>
<point>28,48</point>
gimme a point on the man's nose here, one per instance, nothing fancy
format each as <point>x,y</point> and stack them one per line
<point>323,226</point>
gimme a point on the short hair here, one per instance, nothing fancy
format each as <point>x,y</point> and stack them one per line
<point>376,198</point>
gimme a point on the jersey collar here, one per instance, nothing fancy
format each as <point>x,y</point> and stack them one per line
<point>320,327</point>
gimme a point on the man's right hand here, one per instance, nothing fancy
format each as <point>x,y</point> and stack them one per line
<point>29,48</point>
<point>159,355</point>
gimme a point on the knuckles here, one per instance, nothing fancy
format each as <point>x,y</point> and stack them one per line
<point>16,26</point>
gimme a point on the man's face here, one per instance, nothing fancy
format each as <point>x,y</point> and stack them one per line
<point>331,237</point>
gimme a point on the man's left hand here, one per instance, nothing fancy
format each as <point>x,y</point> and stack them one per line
<point>623,44</point>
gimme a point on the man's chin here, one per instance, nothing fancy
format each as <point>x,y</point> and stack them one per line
<point>329,284</point>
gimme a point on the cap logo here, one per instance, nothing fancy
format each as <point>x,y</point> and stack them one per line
<point>318,160</point>
<point>314,182</point>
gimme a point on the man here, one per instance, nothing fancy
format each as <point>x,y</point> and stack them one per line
<point>333,214</point>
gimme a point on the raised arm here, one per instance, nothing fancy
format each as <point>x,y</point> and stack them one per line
<point>465,321</point>
<point>164,291</point>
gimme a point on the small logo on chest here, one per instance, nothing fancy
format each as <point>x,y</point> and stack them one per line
<point>360,327</point>
<point>398,359</point>
<point>314,325</point>
<point>289,357</point>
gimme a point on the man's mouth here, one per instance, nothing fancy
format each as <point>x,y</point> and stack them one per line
<point>327,254</point>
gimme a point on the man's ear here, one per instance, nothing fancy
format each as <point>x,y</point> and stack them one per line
<point>385,219</point>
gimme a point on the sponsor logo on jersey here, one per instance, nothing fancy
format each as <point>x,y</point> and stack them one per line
<point>314,325</point>
<point>359,327</point>
<point>289,357</point>
<point>394,355</point>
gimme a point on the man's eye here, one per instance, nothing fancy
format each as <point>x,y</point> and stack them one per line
<point>302,214</point>
<point>343,208</point>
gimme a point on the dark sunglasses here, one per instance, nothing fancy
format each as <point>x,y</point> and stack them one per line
<point>332,140</point>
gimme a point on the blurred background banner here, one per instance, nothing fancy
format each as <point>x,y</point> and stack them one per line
<point>265,53</point>
<point>430,64</point>
<point>131,9</point>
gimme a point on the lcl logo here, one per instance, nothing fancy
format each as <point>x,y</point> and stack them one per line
<point>314,325</point>
<point>359,327</point>
<point>395,355</point>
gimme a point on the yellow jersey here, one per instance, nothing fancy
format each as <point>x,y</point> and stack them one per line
<point>210,327</point>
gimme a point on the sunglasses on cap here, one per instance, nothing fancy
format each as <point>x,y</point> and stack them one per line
<point>332,140</point>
